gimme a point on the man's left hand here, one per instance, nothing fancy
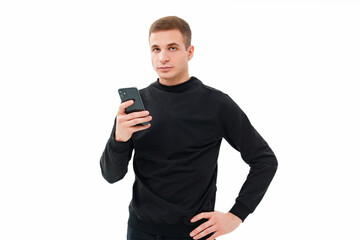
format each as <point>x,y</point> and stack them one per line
<point>220,223</point>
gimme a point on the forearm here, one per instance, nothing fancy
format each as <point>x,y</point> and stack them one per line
<point>262,171</point>
<point>115,158</point>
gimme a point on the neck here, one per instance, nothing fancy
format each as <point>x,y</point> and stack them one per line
<point>174,81</point>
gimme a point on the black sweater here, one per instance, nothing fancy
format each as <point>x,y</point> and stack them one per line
<point>175,160</point>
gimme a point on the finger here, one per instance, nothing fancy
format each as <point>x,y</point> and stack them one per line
<point>201,216</point>
<point>124,105</point>
<point>201,228</point>
<point>215,235</point>
<point>142,127</point>
<point>135,121</point>
<point>136,115</point>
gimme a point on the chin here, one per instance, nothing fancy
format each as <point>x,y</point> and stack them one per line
<point>166,75</point>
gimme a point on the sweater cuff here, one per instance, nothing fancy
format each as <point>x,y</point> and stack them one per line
<point>240,210</point>
<point>119,146</point>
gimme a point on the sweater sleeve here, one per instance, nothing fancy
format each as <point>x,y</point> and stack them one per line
<point>254,150</point>
<point>115,158</point>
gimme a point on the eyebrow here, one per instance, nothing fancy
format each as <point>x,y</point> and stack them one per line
<point>170,44</point>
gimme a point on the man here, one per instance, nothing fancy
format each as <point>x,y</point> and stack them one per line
<point>175,158</point>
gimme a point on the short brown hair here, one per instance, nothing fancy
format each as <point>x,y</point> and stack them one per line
<point>170,23</point>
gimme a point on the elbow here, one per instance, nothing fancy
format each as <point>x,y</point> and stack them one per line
<point>275,162</point>
<point>272,162</point>
<point>111,176</point>
<point>268,165</point>
<point>268,160</point>
<point>273,165</point>
<point>112,179</point>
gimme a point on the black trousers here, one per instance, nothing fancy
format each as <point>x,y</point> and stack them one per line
<point>133,234</point>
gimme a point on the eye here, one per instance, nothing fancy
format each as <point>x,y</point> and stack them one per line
<point>173,48</point>
<point>156,49</point>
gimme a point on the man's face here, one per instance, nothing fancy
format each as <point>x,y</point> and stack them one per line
<point>168,54</point>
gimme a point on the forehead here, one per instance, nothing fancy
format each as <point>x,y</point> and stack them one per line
<point>163,38</point>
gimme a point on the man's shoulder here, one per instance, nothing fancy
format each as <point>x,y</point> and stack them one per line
<point>219,96</point>
<point>214,92</point>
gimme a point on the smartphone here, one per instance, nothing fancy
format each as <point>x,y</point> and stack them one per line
<point>132,93</point>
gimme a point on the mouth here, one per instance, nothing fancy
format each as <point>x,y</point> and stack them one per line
<point>164,69</point>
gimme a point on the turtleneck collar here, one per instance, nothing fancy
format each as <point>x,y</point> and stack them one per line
<point>182,87</point>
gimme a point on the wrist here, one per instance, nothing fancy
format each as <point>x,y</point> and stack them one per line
<point>234,217</point>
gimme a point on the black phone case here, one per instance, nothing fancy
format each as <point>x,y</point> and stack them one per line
<point>132,93</point>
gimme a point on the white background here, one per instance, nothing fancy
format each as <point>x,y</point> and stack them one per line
<point>292,66</point>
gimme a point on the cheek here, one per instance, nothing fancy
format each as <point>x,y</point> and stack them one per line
<point>153,60</point>
<point>184,60</point>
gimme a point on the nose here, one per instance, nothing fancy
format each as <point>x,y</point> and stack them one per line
<point>163,58</point>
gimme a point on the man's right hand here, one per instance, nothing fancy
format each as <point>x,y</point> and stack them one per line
<point>125,123</point>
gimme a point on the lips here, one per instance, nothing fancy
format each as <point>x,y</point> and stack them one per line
<point>164,68</point>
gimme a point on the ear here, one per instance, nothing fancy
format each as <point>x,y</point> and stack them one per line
<point>190,52</point>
